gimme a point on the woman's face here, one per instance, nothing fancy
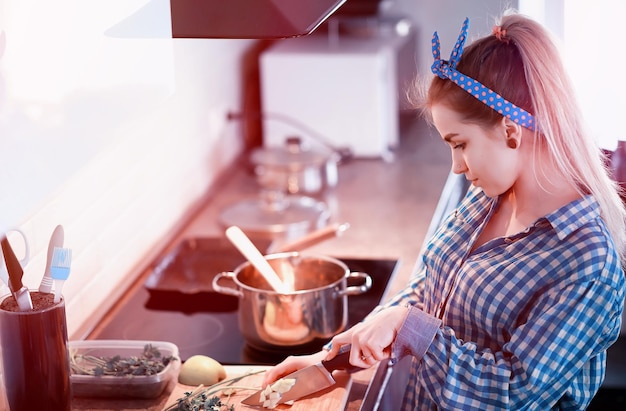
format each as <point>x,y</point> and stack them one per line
<point>479,152</point>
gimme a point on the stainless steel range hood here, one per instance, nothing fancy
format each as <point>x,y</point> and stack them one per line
<point>249,19</point>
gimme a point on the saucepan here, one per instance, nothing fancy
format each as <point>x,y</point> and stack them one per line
<point>316,307</point>
<point>295,169</point>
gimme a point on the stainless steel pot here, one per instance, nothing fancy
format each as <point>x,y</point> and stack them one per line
<point>317,308</point>
<point>295,169</point>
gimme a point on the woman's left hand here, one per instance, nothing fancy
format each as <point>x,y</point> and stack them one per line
<point>371,340</point>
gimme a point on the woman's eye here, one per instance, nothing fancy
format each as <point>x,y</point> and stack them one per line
<point>458,146</point>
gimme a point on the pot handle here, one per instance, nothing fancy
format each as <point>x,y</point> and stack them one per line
<point>225,290</point>
<point>358,289</point>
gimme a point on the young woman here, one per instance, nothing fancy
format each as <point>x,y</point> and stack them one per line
<point>522,289</point>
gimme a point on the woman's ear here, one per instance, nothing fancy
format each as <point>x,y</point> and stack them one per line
<point>513,133</point>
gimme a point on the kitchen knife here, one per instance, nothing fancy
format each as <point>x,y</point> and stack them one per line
<point>21,293</point>
<point>311,379</point>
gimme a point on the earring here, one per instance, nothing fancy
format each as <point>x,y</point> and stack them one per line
<point>511,143</point>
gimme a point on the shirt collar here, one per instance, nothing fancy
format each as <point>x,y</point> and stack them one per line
<point>564,220</point>
<point>574,215</point>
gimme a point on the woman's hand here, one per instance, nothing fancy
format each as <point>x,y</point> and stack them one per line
<point>371,340</point>
<point>291,364</point>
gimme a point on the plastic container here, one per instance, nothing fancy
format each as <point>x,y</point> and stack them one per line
<point>134,386</point>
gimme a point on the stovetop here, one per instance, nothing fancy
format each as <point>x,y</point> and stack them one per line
<point>177,304</point>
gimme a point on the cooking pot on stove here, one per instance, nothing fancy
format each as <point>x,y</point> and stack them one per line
<point>317,308</point>
<point>294,168</point>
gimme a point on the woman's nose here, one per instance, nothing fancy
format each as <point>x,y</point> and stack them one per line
<point>458,166</point>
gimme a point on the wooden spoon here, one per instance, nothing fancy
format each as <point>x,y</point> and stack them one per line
<point>254,256</point>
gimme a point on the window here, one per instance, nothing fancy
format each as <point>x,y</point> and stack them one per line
<point>592,36</point>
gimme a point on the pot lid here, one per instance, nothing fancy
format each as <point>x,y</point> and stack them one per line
<point>293,156</point>
<point>275,213</point>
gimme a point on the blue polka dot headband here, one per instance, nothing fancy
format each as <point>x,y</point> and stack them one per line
<point>447,70</point>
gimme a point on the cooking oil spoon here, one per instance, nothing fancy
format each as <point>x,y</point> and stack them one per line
<point>254,256</point>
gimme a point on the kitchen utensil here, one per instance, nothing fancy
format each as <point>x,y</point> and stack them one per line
<point>343,153</point>
<point>4,275</point>
<point>294,168</point>
<point>311,239</point>
<point>311,379</point>
<point>272,211</point>
<point>60,269</point>
<point>320,291</point>
<point>21,293</point>
<point>56,240</point>
<point>254,256</point>
<point>35,355</point>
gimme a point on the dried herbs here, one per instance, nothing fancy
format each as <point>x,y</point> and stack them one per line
<point>208,399</point>
<point>193,401</point>
<point>149,362</point>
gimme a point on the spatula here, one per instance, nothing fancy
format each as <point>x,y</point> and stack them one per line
<point>246,247</point>
<point>56,240</point>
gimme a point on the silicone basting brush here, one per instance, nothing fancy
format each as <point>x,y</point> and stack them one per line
<point>60,269</point>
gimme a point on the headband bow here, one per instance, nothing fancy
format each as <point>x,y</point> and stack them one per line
<point>447,70</point>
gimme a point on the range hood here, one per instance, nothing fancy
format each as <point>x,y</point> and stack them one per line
<point>249,19</point>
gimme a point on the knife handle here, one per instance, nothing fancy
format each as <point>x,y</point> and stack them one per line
<point>13,265</point>
<point>341,361</point>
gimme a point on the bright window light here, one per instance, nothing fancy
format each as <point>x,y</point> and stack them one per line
<point>592,43</point>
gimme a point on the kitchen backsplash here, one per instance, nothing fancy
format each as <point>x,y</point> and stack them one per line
<point>157,110</point>
<point>122,203</point>
<point>119,206</point>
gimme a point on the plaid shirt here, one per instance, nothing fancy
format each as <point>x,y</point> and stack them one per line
<point>527,319</point>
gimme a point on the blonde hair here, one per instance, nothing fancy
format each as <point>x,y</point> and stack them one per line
<point>522,63</point>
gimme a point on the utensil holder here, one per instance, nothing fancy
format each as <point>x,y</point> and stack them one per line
<point>35,356</point>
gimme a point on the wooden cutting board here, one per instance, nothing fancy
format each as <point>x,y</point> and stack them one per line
<point>332,398</point>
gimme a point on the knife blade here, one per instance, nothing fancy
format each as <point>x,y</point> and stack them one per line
<point>311,379</point>
<point>20,293</point>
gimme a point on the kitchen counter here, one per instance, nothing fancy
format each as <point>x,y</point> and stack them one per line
<point>389,206</point>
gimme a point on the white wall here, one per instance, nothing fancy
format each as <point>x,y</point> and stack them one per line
<point>594,58</point>
<point>446,17</point>
<point>591,55</point>
<point>112,136</point>
<point>590,33</point>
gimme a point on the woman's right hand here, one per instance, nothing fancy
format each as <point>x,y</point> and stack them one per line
<point>291,364</point>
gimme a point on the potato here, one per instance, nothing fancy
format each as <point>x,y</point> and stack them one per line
<point>200,369</point>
